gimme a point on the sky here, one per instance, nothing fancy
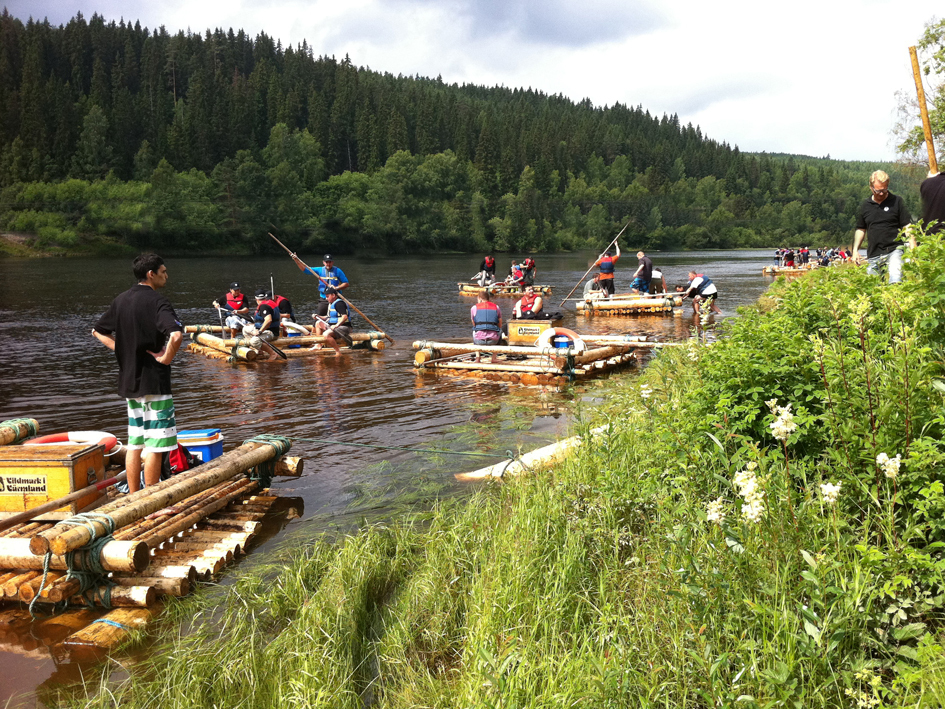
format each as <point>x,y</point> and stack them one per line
<point>812,77</point>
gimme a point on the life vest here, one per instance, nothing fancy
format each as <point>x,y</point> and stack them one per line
<point>487,317</point>
<point>333,316</point>
<point>528,302</point>
<point>276,315</point>
<point>706,282</point>
<point>236,302</point>
<point>529,264</point>
<point>517,273</point>
<point>490,264</point>
<point>607,265</point>
<point>330,276</point>
<point>279,300</point>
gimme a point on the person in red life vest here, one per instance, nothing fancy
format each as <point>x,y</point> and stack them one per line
<point>332,320</point>
<point>528,266</point>
<point>285,308</point>
<point>265,326</point>
<point>516,274</point>
<point>236,307</point>
<point>486,275</point>
<point>487,321</point>
<point>530,306</point>
<point>606,264</point>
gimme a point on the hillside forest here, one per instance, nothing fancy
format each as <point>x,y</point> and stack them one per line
<point>117,134</point>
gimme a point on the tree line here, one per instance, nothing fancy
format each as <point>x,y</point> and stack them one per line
<point>205,141</point>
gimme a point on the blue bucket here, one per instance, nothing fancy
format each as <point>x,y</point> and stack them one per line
<point>561,342</point>
<point>293,333</point>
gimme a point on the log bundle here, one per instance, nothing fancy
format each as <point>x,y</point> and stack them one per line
<point>633,305</point>
<point>501,290</point>
<point>531,366</point>
<point>207,340</point>
<point>167,537</point>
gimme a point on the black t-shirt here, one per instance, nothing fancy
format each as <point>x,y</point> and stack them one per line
<point>882,223</point>
<point>140,320</point>
<point>262,310</point>
<point>646,273</point>
<point>933,202</point>
<point>340,307</point>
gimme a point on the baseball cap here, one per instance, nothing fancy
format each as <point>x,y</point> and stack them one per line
<point>234,286</point>
<point>330,290</point>
<point>327,257</point>
<point>261,293</point>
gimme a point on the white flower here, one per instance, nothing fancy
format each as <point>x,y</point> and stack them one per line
<point>751,465</point>
<point>830,492</point>
<point>889,465</point>
<point>752,511</point>
<point>715,512</point>
<point>783,426</point>
<point>645,392</point>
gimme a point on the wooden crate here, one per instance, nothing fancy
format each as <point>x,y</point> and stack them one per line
<point>33,475</point>
<point>526,332</point>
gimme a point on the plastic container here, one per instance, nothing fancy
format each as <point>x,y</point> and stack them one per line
<point>561,342</point>
<point>206,443</point>
<point>293,333</point>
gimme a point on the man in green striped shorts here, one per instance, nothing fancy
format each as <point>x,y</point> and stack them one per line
<point>143,331</point>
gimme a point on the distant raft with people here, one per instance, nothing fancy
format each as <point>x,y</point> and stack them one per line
<point>500,290</point>
<point>789,270</point>
<point>629,304</point>
<point>208,341</point>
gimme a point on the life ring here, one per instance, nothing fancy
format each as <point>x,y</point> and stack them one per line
<point>295,327</point>
<point>545,338</point>
<point>100,437</point>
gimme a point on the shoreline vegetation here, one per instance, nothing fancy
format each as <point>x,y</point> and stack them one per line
<point>761,526</point>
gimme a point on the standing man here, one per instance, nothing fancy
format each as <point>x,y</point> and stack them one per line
<point>487,271</point>
<point>701,288</point>
<point>530,271</point>
<point>932,190</point>
<point>143,331</point>
<point>880,220</point>
<point>332,320</point>
<point>643,274</point>
<point>606,264</point>
<point>329,276</point>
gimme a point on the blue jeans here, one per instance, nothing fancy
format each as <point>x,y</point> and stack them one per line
<point>892,261</point>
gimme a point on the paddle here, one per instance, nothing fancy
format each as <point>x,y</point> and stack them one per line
<point>331,329</point>
<point>595,261</point>
<point>347,302</point>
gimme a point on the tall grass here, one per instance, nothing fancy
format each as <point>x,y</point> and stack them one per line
<point>630,576</point>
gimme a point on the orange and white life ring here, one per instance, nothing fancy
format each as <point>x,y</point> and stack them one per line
<point>90,437</point>
<point>545,339</point>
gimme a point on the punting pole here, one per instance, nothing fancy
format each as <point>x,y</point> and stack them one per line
<point>347,302</point>
<point>595,261</point>
<point>923,109</point>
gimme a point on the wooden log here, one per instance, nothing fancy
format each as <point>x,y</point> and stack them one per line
<point>447,349</point>
<point>171,571</point>
<point>210,537</point>
<point>289,467</point>
<point>242,351</point>
<point>230,549</point>
<point>121,597</point>
<point>281,342</point>
<point>16,430</point>
<point>12,587</point>
<point>151,499</point>
<point>213,354</point>
<point>115,556</point>
<point>176,587</point>
<point>6,576</point>
<point>60,590</point>
<point>55,628</point>
<point>243,516</point>
<point>591,355</point>
<point>202,564</point>
<point>543,457</point>
<point>109,631</point>
<point>499,367</point>
<point>29,589</point>
<point>230,525</point>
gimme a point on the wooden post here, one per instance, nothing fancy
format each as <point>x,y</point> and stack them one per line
<point>923,110</point>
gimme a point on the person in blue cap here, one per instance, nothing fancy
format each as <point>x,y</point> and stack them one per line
<point>329,275</point>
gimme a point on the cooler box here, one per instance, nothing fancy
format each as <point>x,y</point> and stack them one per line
<point>526,332</point>
<point>293,333</point>
<point>33,475</point>
<point>206,444</point>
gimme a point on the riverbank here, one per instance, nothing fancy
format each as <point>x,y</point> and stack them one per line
<point>692,558</point>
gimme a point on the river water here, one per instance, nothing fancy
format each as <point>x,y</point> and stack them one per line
<point>55,372</point>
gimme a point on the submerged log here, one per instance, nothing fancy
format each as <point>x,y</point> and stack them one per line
<point>159,570</point>
<point>151,499</point>
<point>109,631</point>
<point>176,587</point>
<point>541,458</point>
<point>16,430</point>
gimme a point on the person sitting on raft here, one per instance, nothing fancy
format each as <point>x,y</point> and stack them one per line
<point>701,288</point>
<point>592,287</point>
<point>516,274</point>
<point>265,326</point>
<point>487,321</point>
<point>530,306</point>
<point>332,320</point>
<point>234,302</point>
<point>285,308</point>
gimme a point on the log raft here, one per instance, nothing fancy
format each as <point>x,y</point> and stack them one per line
<point>207,341</point>
<point>628,305</point>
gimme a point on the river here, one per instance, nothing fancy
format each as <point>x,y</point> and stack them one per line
<point>54,371</point>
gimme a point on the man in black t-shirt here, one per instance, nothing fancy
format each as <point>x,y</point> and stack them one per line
<point>643,274</point>
<point>932,190</point>
<point>880,219</point>
<point>143,331</point>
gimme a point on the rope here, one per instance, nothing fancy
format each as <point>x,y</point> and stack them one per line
<point>31,428</point>
<point>265,471</point>
<point>113,623</point>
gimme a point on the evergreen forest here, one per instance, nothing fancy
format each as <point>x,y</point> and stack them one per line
<point>111,133</point>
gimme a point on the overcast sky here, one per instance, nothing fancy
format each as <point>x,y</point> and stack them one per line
<point>814,77</point>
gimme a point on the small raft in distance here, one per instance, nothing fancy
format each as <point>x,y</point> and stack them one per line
<point>500,290</point>
<point>628,304</point>
<point>788,271</point>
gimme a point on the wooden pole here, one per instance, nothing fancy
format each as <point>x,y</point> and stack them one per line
<point>136,505</point>
<point>348,302</point>
<point>595,261</point>
<point>923,109</point>
<point>127,556</point>
<point>218,343</point>
<point>57,503</point>
<point>14,431</point>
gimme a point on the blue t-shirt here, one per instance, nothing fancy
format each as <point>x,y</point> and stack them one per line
<point>334,275</point>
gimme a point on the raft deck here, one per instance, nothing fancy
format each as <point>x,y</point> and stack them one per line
<point>207,340</point>
<point>628,304</point>
<point>500,290</point>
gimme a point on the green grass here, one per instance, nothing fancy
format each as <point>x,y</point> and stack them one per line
<point>603,582</point>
